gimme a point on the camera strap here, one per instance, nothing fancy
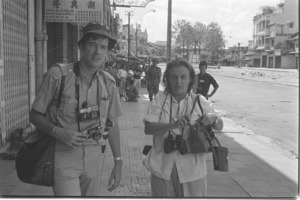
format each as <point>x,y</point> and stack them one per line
<point>77,92</point>
<point>171,104</point>
<point>194,103</point>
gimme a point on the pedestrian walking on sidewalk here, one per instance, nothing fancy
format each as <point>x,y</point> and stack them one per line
<point>153,76</point>
<point>77,163</point>
<point>122,75</point>
<point>177,173</point>
<point>204,80</point>
<point>137,78</point>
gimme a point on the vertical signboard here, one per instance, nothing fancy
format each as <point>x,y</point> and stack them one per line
<point>2,122</point>
<point>77,11</point>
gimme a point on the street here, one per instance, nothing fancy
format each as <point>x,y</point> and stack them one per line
<point>265,109</point>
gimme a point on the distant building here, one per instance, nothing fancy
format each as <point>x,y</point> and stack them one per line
<point>142,40</point>
<point>234,56</point>
<point>163,48</point>
<point>273,27</point>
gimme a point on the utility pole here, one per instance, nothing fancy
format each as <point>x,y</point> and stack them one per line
<point>169,31</point>
<point>239,55</point>
<point>129,14</point>
<point>136,39</point>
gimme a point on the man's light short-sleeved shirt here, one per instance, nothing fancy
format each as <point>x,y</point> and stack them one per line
<point>190,167</point>
<point>122,73</point>
<point>65,116</point>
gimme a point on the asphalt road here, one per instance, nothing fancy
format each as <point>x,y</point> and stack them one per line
<point>266,109</point>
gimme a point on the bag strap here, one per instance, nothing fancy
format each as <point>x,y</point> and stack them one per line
<point>62,83</point>
<point>194,103</point>
<point>163,106</point>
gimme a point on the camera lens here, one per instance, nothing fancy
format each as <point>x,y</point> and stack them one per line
<point>96,135</point>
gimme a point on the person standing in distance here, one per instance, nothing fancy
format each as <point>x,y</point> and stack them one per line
<point>153,78</point>
<point>204,80</point>
<point>77,166</point>
<point>122,75</point>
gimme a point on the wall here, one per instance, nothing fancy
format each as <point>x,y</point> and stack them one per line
<point>288,62</point>
<point>15,86</point>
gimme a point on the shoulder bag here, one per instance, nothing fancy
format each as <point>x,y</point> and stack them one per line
<point>35,160</point>
<point>200,136</point>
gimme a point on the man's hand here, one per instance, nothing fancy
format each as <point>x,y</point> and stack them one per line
<point>115,176</point>
<point>70,137</point>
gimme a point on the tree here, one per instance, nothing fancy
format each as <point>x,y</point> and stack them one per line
<point>198,36</point>
<point>214,41</point>
<point>181,32</point>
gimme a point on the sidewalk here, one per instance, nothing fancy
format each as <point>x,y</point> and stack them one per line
<point>256,168</point>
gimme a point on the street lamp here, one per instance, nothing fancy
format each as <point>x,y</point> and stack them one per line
<point>136,31</point>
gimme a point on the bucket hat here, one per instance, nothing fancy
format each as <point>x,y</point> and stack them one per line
<point>100,30</point>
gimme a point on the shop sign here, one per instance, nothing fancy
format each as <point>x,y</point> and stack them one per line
<point>78,11</point>
<point>132,3</point>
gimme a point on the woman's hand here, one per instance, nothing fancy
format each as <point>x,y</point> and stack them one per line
<point>209,119</point>
<point>182,121</point>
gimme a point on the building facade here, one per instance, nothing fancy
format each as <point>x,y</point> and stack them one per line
<point>235,56</point>
<point>272,28</point>
<point>28,47</point>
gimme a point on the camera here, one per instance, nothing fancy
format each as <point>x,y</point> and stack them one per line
<point>88,113</point>
<point>171,144</point>
<point>95,132</point>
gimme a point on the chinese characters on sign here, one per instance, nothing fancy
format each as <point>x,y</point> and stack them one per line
<point>81,11</point>
<point>133,3</point>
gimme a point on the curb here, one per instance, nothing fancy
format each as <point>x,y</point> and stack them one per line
<point>256,80</point>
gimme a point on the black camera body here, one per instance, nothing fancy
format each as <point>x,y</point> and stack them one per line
<point>172,144</point>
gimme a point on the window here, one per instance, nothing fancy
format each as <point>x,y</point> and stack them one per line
<point>291,24</point>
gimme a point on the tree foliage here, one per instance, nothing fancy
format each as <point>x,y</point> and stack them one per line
<point>198,37</point>
<point>214,41</point>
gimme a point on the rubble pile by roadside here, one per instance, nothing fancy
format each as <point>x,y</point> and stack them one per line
<point>287,77</point>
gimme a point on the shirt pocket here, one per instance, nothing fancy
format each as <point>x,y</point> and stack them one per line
<point>67,109</point>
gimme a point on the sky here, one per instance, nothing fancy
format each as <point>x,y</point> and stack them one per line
<point>235,17</point>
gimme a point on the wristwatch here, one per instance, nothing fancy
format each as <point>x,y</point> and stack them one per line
<point>117,158</point>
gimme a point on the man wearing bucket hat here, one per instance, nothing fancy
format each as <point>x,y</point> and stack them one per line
<point>153,78</point>
<point>76,129</point>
